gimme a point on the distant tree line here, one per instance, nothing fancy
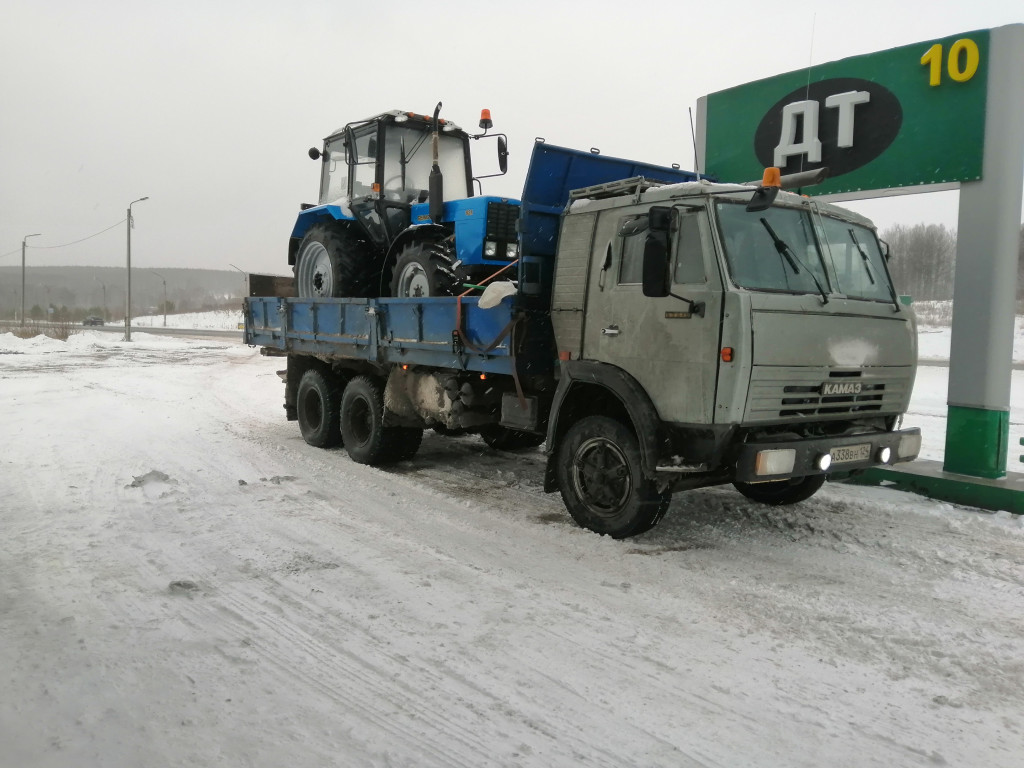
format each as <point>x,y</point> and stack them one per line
<point>923,257</point>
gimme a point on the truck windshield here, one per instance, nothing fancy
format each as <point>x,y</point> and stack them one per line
<point>857,259</point>
<point>771,250</point>
<point>413,144</point>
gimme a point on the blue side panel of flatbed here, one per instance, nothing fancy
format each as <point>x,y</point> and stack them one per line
<point>385,331</point>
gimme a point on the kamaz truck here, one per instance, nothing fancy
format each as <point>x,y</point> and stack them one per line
<point>655,330</point>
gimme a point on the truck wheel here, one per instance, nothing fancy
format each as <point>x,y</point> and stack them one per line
<point>317,403</point>
<point>600,477</point>
<point>331,262</point>
<point>504,439</point>
<point>781,492</point>
<point>362,422</point>
<point>426,268</point>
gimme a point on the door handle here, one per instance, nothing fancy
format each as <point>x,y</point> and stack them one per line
<point>611,330</point>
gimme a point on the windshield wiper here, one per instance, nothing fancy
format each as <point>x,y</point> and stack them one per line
<point>867,266</point>
<point>863,254</point>
<point>787,253</point>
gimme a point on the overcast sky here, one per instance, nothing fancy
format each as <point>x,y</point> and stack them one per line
<point>209,107</point>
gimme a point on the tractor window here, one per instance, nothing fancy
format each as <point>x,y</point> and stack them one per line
<point>365,171</point>
<point>413,146</point>
<point>334,184</point>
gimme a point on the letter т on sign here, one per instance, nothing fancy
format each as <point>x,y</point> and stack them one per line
<point>899,119</point>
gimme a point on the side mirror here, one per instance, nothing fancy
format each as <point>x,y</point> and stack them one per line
<point>660,218</point>
<point>502,154</point>
<point>314,153</point>
<point>655,275</point>
<point>762,199</point>
<point>371,148</point>
<point>886,253</point>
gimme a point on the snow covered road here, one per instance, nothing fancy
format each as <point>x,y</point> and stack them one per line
<point>184,582</point>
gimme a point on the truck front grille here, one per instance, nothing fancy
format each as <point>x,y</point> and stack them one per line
<point>785,394</point>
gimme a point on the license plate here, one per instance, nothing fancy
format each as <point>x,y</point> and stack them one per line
<point>850,453</point>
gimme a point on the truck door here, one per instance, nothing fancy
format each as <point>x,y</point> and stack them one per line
<point>670,350</point>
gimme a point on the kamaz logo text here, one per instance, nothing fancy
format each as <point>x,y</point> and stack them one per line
<point>841,388</point>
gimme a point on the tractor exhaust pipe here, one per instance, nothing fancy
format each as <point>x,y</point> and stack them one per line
<point>435,185</point>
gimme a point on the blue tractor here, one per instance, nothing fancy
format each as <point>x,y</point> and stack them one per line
<point>397,216</point>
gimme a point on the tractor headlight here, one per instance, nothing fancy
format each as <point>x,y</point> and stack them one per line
<point>490,249</point>
<point>511,251</point>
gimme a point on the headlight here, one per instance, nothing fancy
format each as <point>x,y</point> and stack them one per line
<point>511,251</point>
<point>776,462</point>
<point>490,249</point>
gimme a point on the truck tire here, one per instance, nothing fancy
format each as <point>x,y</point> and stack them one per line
<point>504,439</point>
<point>427,268</point>
<point>366,438</point>
<point>333,262</point>
<point>318,402</point>
<point>778,493</point>
<point>601,481</point>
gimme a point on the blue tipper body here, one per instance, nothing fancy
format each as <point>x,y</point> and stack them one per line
<point>421,331</point>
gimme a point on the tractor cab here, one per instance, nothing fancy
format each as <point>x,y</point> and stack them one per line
<point>379,168</point>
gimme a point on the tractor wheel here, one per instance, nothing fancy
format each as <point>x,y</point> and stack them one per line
<point>317,403</point>
<point>426,268</point>
<point>503,439</point>
<point>601,480</point>
<point>333,261</point>
<point>779,493</point>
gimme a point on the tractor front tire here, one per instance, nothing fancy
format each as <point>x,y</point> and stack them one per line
<point>427,268</point>
<point>333,261</point>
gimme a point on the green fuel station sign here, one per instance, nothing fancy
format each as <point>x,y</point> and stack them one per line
<point>901,118</point>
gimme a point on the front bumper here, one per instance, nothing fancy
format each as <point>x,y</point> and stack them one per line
<point>764,461</point>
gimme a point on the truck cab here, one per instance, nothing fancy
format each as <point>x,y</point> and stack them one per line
<point>767,341</point>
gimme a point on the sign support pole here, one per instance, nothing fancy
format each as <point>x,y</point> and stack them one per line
<point>984,291</point>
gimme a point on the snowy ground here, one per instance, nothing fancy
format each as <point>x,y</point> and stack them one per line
<point>183,582</point>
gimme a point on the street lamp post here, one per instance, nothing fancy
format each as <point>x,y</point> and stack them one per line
<point>128,297</point>
<point>23,276</point>
<point>165,293</point>
<point>245,276</point>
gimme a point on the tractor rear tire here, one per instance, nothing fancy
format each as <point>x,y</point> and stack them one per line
<point>333,261</point>
<point>427,268</point>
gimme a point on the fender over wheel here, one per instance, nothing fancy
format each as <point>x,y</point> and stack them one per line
<point>601,479</point>
<point>779,493</point>
<point>427,268</point>
<point>332,262</point>
<point>317,404</point>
